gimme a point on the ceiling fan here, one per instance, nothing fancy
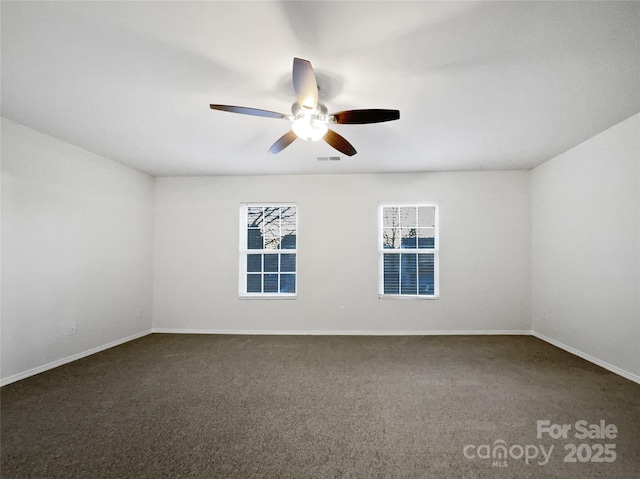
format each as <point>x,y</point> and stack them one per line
<point>309,118</point>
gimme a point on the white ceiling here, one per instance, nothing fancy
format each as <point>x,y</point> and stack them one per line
<point>480,85</point>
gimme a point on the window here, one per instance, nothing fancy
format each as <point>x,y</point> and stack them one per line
<point>408,251</point>
<point>268,242</point>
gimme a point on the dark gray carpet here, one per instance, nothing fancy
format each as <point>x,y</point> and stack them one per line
<point>180,406</point>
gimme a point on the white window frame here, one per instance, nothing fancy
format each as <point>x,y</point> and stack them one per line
<point>435,251</point>
<point>244,251</point>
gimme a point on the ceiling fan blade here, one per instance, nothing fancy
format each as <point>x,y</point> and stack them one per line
<point>284,141</point>
<point>304,83</point>
<point>250,111</point>
<point>339,143</point>
<point>359,117</point>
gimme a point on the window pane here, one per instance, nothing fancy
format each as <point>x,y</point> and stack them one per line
<point>408,217</point>
<point>271,228</point>
<point>391,264</point>
<point>272,236</point>
<point>288,262</point>
<point>254,216</point>
<point>254,238</point>
<point>287,283</point>
<point>409,276</point>
<point>427,216</point>
<point>426,237</point>
<point>254,283</point>
<point>389,216</point>
<point>288,217</point>
<point>408,239</point>
<point>271,262</point>
<point>272,215</point>
<point>390,238</point>
<point>425,274</point>
<point>254,262</point>
<point>288,240</point>
<point>288,228</point>
<point>270,283</point>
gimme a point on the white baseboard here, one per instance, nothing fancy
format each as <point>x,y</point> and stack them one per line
<point>614,369</point>
<point>74,357</point>
<point>281,332</point>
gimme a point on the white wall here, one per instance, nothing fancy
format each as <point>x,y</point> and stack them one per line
<point>77,236</point>
<point>557,248</point>
<point>586,249</point>
<point>485,253</point>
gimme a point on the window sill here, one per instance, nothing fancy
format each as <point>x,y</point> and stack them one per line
<point>267,296</point>
<point>408,296</point>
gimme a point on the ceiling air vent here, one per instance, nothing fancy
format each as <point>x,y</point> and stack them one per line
<point>330,158</point>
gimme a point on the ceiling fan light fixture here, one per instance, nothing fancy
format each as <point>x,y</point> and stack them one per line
<point>309,128</point>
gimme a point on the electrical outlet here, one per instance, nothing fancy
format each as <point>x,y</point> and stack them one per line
<point>72,328</point>
<point>139,313</point>
<point>341,310</point>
